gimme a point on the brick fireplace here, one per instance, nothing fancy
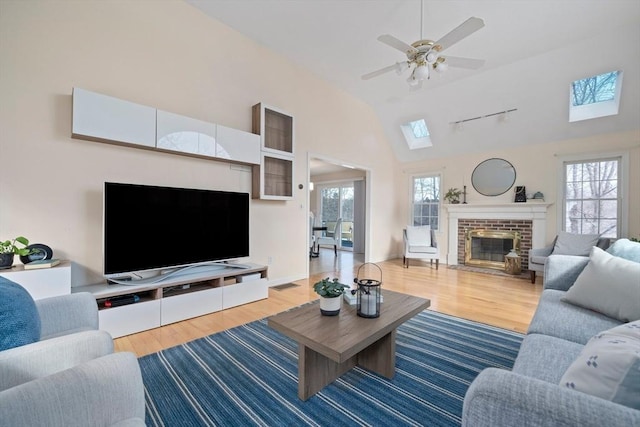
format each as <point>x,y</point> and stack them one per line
<point>528,219</point>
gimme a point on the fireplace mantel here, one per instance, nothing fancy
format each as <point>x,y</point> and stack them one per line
<point>534,211</point>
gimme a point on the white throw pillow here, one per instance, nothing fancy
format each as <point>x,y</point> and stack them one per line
<point>574,244</point>
<point>419,235</point>
<point>609,285</point>
<point>609,366</point>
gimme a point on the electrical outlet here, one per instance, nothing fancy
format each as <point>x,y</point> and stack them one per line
<point>269,260</point>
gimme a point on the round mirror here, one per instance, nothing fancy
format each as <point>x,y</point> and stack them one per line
<point>493,177</point>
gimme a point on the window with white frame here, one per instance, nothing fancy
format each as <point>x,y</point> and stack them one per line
<point>592,196</point>
<point>425,200</point>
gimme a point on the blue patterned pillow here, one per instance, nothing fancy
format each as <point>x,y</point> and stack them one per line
<point>609,366</point>
<point>19,318</point>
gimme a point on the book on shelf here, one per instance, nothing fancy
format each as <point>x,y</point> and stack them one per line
<point>42,263</point>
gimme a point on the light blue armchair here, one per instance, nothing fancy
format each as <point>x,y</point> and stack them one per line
<point>70,377</point>
<point>538,256</point>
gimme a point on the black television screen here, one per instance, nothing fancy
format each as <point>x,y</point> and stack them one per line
<point>153,228</point>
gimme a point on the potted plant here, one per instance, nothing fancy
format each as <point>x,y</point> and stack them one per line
<point>330,292</point>
<point>9,248</point>
<point>453,195</point>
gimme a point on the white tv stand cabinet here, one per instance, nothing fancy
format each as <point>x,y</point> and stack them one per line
<point>42,282</point>
<point>182,297</point>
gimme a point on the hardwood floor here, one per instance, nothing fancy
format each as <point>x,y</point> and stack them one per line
<point>505,302</point>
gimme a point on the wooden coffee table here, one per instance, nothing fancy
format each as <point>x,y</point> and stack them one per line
<point>328,346</point>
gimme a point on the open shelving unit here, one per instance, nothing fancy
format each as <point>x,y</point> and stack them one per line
<point>177,298</point>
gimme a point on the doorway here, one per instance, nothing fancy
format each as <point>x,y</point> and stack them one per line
<point>339,190</point>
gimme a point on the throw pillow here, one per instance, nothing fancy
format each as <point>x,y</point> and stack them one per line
<point>574,244</point>
<point>19,318</point>
<point>419,235</point>
<point>609,366</point>
<point>625,248</point>
<point>608,285</point>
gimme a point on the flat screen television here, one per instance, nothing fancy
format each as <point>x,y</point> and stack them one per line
<point>149,228</point>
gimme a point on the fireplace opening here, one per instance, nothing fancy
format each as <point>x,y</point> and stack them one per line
<point>487,248</point>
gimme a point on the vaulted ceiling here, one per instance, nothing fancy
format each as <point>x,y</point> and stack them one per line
<point>533,50</point>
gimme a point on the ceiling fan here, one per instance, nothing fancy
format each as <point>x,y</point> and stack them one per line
<point>426,55</point>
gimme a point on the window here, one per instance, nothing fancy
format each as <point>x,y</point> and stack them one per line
<point>596,96</point>
<point>425,200</point>
<point>416,134</point>
<point>592,199</point>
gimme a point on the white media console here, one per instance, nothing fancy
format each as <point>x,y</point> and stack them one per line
<point>43,282</point>
<point>179,297</point>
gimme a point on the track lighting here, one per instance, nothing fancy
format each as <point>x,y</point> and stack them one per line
<point>502,116</point>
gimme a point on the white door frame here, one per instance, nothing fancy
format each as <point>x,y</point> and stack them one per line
<point>349,164</point>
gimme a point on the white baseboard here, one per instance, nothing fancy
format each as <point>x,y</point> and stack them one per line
<point>283,280</point>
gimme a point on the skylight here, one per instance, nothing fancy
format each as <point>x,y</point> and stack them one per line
<point>416,134</point>
<point>596,96</point>
<point>419,128</point>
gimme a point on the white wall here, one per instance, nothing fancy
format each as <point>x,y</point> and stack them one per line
<point>536,168</point>
<point>170,56</point>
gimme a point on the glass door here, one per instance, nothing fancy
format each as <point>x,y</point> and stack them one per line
<point>336,201</point>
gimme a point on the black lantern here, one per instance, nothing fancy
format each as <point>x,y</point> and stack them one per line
<point>368,294</point>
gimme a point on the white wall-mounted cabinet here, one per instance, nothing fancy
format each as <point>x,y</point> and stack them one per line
<point>185,135</point>
<point>275,128</point>
<point>104,118</point>
<point>237,145</point>
<point>273,178</point>
<point>98,117</point>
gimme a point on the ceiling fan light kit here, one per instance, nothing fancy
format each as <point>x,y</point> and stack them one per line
<point>425,55</point>
<point>441,67</point>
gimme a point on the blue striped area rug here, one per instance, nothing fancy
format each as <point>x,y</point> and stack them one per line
<point>248,376</point>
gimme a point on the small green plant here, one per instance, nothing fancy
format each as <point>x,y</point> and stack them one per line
<point>633,239</point>
<point>329,288</point>
<point>453,195</point>
<point>11,246</point>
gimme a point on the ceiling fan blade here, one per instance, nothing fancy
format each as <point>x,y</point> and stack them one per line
<point>463,30</point>
<point>470,63</point>
<point>389,40</point>
<point>380,72</point>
